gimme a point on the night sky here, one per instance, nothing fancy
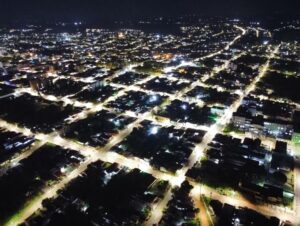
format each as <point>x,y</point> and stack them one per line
<point>95,10</point>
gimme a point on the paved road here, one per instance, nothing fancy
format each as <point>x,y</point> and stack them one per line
<point>92,155</point>
<point>104,154</point>
<point>211,132</point>
<point>203,215</point>
<point>268,210</point>
<point>157,209</point>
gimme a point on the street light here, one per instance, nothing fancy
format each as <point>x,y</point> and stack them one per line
<point>154,130</point>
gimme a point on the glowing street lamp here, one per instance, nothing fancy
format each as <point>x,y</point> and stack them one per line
<point>183,106</point>
<point>154,130</point>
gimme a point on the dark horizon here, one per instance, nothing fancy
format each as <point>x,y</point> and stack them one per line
<point>93,11</point>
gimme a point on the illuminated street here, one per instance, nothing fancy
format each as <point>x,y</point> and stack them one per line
<point>181,128</point>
